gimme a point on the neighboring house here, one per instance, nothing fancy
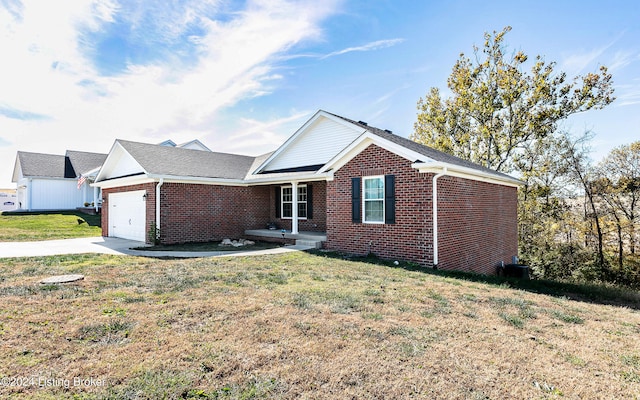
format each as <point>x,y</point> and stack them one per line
<point>366,189</point>
<point>56,182</point>
<point>192,145</point>
<point>8,200</point>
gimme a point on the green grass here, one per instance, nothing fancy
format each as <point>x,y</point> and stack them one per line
<point>21,227</point>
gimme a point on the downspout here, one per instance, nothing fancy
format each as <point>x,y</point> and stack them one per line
<point>29,190</point>
<point>434,191</point>
<point>158,186</point>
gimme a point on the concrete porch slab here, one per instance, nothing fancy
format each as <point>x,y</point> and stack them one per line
<point>277,233</point>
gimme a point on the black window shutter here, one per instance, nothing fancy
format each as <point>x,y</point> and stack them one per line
<point>389,199</point>
<point>355,200</point>
<point>278,195</point>
<point>309,201</point>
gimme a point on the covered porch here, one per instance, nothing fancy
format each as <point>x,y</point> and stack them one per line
<point>305,238</point>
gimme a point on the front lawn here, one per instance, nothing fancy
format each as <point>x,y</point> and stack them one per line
<point>20,227</point>
<point>302,325</point>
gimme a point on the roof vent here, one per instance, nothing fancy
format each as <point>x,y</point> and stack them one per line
<point>363,123</point>
<point>389,131</point>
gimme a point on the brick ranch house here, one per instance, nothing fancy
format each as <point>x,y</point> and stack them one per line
<point>366,189</point>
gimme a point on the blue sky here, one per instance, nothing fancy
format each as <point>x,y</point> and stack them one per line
<point>242,76</point>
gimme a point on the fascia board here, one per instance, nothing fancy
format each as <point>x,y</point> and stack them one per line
<point>464,172</point>
<point>197,180</point>
<point>126,181</point>
<point>50,178</point>
<point>272,180</point>
<point>107,160</point>
<point>258,180</point>
<point>364,141</point>
<point>17,170</point>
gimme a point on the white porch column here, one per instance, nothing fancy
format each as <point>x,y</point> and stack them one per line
<point>294,211</point>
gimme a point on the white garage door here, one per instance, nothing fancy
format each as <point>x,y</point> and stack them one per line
<point>127,215</point>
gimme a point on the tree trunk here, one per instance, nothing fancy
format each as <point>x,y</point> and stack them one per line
<point>596,219</point>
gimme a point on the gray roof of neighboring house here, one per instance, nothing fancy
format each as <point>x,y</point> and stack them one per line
<point>176,161</point>
<point>45,165</point>
<point>71,165</point>
<point>427,151</point>
<point>83,162</point>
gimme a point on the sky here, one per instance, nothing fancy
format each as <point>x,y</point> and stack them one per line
<point>242,76</point>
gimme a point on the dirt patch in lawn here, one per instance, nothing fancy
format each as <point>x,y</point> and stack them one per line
<point>209,247</point>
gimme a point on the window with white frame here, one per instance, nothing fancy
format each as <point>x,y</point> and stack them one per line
<point>287,202</point>
<point>373,199</point>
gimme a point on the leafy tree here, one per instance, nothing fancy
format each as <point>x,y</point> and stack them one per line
<point>620,188</point>
<point>496,109</point>
<point>576,153</point>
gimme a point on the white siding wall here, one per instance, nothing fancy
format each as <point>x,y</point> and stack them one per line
<point>52,194</point>
<point>324,139</point>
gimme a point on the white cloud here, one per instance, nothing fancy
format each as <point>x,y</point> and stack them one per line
<point>576,63</point>
<point>379,44</point>
<point>47,70</point>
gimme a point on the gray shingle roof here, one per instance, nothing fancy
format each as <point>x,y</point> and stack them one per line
<point>176,161</point>
<point>45,165</point>
<point>424,150</point>
<point>83,162</point>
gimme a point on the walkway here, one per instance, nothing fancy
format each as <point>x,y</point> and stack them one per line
<point>107,245</point>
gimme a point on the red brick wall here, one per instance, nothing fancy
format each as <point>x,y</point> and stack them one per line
<point>201,213</point>
<point>316,224</point>
<point>151,201</point>
<point>409,238</point>
<point>477,221</point>
<point>477,225</point>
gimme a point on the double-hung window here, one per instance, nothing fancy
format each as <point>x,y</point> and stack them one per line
<point>373,199</point>
<point>287,201</point>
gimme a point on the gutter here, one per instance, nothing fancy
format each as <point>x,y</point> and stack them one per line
<point>467,173</point>
<point>434,208</point>
<point>158,186</point>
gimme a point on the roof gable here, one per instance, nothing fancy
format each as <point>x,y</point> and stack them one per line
<point>43,165</point>
<point>83,162</point>
<point>119,163</point>
<point>314,144</point>
<point>194,145</point>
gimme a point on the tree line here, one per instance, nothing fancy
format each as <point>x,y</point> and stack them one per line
<point>578,220</point>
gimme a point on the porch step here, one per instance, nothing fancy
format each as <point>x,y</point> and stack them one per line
<point>314,244</point>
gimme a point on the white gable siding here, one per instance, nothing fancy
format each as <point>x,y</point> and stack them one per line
<point>122,164</point>
<point>321,142</point>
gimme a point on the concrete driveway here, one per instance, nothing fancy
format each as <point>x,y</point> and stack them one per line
<point>109,245</point>
<point>104,245</point>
